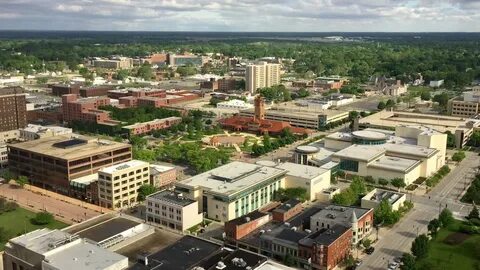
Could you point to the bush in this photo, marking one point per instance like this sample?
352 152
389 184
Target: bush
468 229
42 218
458 156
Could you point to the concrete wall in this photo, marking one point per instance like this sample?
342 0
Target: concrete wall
336 144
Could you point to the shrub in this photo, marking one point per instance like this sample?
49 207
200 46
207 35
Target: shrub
42 218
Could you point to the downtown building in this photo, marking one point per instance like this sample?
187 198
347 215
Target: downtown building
262 75
13 109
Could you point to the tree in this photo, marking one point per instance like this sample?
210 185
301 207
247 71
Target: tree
390 103
291 193
383 181
21 180
288 260
398 183
7 175
366 242
425 95
408 262
446 217
433 227
42 80
474 213
42 218
145 72
458 156
420 247
122 74
352 115
381 105
302 93
145 190
442 99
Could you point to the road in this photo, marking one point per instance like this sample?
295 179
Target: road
397 240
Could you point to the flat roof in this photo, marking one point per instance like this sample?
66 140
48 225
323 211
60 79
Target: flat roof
248 218
394 164
286 206
84 256
42 240
360 152
107 229
87 179
154 121
325 236
302 171
124 166
286 234
409 150
379 195
369 135
340 214
171 197
232 177
240 260
306 149
46 146
156 169
181 255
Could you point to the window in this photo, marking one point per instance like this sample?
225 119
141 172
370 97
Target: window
349 165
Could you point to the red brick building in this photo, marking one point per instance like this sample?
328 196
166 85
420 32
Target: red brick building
157 124
85 109
287 210
65 89
236 229
326 248
162 176
94 91
13 108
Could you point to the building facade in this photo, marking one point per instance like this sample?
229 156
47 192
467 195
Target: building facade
262 75
162 175
171 209
118 184
13 109
467 106
156 124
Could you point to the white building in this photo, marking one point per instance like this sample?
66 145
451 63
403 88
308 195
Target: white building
11 80
436 83
47 249
234 104
171 209
376 196
118 184
261 75
3 156
33 132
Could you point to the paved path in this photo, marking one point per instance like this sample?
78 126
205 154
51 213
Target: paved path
397 240
68 212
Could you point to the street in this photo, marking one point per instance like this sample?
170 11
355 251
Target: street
395 241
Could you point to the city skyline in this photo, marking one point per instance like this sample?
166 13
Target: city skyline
238 16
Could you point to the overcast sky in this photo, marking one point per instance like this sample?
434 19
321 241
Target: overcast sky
243 15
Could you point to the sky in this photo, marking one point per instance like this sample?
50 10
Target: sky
243 15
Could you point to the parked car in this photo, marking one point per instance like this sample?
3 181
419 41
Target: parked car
392 266
370 250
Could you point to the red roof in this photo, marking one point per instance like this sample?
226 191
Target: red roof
252 124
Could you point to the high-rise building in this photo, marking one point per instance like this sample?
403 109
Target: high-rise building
262 75
13 109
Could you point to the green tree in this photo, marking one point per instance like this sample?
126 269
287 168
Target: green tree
145 72
398 183
446 217
420 247
381 105
474 213
383 181
21 180
425 95
390 103
144 191
442 99
42 218
42 80
291 193
458 156
121 74
408 262
302 93
7 175
433 227
366 242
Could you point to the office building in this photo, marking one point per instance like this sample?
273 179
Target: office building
238 188
118 184
376 196
467 106
33 132
113 63
156 124
162 175
53 162
360 220
171 209
408 153
261 75
46 249
13 109
65 89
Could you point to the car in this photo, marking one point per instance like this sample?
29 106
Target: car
392 265
370 250
397 259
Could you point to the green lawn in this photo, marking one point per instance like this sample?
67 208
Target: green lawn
18 221
455 257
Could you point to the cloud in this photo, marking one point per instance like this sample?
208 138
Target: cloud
242 15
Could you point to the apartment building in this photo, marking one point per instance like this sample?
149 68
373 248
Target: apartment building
171 209
262 75
53 162
466 106
118 184
13 108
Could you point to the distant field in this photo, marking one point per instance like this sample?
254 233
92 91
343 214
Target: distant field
452 257
18 222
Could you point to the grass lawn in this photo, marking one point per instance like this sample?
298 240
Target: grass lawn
16 222
456 257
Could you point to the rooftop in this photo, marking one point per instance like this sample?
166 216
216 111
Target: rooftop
107 229
240 260
395 163
301 171
360 152
171 197
182 255
123 166
232 177
60 146
153 122
156 169
285 233
42 240
340 214
379 195
37 128
85 256
287 205
248 217
325 236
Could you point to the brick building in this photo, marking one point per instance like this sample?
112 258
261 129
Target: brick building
85 109
13 109
236 229
162 175
94 91
65 89
287 210
157 124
